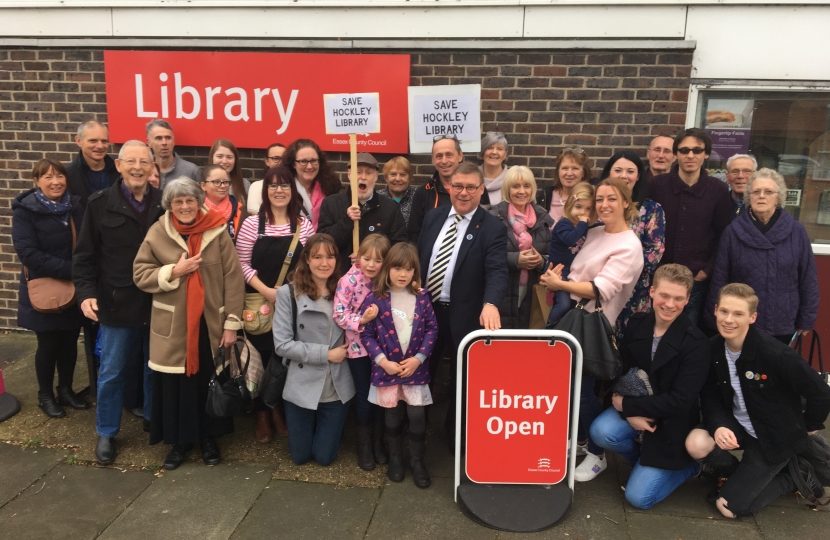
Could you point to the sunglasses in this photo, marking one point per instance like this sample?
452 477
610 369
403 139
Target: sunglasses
440 137
696 150
574 149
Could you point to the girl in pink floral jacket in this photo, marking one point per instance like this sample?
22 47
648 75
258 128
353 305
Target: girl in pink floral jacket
352 290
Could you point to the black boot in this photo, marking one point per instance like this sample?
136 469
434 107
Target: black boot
67 397
417 449
378 427
365 460
46 401
394 440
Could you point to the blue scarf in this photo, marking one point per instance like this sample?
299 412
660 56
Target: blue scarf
60 209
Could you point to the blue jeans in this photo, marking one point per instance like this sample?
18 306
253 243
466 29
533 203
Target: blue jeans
364 410
646 486
315 434
117 345
589 408
561 304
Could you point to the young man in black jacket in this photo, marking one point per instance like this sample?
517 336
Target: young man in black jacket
752 401
375 214
672 357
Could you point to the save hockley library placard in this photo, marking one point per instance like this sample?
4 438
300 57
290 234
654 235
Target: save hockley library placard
252 98
518 397
453 111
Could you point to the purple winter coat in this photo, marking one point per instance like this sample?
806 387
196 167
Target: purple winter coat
379 337
780 266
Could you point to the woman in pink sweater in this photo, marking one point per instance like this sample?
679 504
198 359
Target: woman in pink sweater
611 258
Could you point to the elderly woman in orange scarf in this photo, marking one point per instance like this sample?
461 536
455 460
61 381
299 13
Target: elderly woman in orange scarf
189 263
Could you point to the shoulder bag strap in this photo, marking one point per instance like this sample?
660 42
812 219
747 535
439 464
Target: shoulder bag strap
261 226
74 241
597 301
286 361
288 256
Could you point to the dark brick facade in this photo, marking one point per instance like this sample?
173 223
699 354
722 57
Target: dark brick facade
602 101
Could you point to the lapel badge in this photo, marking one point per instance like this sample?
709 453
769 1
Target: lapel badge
371 228
757 377
763 377
749 375
469 237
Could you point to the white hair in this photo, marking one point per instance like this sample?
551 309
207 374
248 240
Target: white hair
741 156
493 137
771 175
181 187
134 142
88 124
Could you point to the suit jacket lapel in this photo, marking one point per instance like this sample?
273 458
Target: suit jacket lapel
469 237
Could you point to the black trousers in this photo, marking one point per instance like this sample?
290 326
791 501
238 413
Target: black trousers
756 482
445 339
59 349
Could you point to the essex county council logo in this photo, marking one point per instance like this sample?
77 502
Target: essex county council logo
544 463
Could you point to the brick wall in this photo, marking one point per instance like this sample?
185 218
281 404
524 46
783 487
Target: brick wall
602 101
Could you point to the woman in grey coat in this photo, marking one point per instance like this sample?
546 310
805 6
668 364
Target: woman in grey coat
528 233
319 385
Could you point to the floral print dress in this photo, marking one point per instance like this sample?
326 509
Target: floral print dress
650 228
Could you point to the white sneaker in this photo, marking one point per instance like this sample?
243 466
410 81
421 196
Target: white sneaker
581 449
590 467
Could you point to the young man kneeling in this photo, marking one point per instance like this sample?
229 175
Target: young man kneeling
752 401
664 349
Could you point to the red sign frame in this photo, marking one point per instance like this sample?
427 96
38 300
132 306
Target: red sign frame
253 98
523 441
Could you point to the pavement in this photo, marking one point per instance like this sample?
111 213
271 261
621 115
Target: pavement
52 488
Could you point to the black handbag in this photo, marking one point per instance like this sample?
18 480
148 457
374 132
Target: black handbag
273 383
815 347
228 395
600 356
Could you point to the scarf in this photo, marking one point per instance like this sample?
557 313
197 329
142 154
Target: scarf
224 208
493 185
520 224
195 292
60 209
311 205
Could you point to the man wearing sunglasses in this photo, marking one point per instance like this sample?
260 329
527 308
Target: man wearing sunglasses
697 208
446 157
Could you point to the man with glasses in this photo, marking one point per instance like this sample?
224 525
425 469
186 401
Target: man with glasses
273 158
375 214
161 141
115 223
738 170
446 156
463 252
660 156
697 208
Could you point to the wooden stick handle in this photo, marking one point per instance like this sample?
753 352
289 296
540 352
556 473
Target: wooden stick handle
353 183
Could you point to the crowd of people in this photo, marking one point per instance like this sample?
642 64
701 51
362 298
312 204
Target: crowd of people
704 282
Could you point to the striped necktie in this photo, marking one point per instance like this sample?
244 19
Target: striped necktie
439 268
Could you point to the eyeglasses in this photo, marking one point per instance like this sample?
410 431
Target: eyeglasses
131 161
307 162
437 138
183 202
765 192
279 187
458 188
275 159
219 183
736 172
696 150
574 149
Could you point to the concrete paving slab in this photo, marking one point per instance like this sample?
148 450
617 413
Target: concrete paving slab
194 501
15 346
71 502
778 523
405 511
659 527
23 466
301 511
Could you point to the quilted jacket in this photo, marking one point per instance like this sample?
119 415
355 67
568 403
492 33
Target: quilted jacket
780 266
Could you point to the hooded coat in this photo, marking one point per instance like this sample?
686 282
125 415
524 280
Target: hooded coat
779 266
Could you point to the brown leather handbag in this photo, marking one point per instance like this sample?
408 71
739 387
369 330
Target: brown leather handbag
52 295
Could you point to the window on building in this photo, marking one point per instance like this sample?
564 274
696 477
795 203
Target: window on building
788 131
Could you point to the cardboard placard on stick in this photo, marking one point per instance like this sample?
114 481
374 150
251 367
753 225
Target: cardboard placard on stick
352 114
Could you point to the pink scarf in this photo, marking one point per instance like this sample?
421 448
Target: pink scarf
317 197
521 223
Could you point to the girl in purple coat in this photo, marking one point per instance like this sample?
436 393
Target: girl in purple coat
350 315
399 341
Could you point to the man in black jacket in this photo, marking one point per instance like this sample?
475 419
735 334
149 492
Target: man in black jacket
376 214
671 356
752 401
92 169
115 223
446 157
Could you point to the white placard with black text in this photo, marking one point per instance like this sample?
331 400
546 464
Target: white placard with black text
352 113
453 110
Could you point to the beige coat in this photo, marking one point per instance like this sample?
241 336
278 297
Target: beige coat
224 290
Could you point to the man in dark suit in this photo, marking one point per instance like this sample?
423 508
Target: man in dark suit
463 252
671 357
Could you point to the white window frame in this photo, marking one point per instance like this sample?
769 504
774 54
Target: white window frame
691 111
